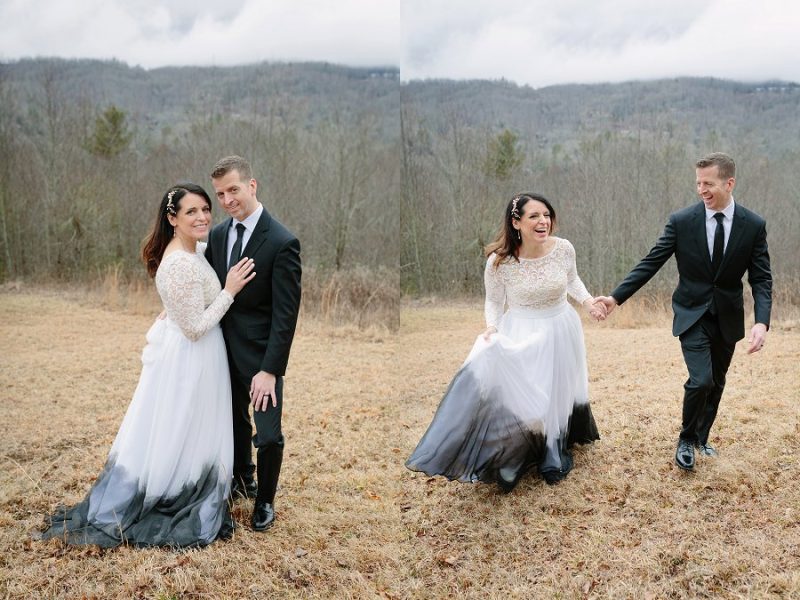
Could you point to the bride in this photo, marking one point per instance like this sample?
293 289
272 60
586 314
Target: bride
167 477
520 400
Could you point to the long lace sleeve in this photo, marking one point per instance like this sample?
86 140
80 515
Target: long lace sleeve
181 291
575 287
495 293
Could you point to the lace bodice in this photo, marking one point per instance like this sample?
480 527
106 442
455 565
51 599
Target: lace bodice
533 282
191 293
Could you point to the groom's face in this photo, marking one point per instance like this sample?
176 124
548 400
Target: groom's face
236 197
714 191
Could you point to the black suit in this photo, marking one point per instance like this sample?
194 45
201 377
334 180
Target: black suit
708 307
258 330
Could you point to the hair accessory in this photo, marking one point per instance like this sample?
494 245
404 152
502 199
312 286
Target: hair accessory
170 205
514 211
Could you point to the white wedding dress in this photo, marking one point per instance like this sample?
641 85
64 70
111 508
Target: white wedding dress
167 477
520 399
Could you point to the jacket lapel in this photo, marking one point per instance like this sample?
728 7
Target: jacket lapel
221 251
737 229
259 235
699 231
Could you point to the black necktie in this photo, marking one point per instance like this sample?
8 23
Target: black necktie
236 251
719 243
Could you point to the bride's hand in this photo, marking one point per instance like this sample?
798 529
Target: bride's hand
239 276
596 309
489 331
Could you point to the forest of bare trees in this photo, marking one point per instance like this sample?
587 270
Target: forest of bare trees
82 178
614 172
392 188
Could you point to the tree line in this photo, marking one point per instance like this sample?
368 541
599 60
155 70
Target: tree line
613 179
81 179
392 188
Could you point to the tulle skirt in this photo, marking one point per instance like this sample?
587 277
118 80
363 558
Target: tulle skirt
167 477
519 401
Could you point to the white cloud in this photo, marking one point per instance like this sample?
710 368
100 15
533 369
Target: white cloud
538 42
154 33
541 43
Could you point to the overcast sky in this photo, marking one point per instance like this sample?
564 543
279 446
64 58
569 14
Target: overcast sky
155 33
544 42
535 42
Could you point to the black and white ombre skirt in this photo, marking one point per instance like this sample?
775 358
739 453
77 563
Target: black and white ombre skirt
519 401
167 478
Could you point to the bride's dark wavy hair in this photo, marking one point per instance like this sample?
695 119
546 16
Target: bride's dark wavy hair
162 232
507 243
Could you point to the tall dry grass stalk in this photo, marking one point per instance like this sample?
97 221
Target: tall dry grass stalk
360 296
136 295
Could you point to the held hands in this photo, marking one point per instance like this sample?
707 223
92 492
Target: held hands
262 388
239 276
596 308
758 335
608 301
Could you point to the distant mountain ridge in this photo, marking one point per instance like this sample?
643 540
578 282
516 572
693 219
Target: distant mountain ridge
564 113
545 117
162 96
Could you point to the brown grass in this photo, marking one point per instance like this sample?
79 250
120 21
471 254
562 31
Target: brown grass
359 296
354 523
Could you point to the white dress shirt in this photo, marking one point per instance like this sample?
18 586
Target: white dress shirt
249 226
711 226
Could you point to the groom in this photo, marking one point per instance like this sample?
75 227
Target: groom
714 242
258 328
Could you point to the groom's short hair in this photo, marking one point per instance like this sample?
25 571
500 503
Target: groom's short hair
724 163
232 163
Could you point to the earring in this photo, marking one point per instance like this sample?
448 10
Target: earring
519 235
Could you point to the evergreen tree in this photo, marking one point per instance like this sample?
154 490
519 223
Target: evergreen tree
111 135
503 155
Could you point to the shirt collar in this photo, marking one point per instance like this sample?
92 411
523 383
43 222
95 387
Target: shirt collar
250 222
727 211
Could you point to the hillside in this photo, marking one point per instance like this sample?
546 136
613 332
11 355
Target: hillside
563 114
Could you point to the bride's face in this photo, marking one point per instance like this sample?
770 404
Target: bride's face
535 223
193 218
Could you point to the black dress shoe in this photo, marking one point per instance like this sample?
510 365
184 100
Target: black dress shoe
263 516
707 450
243 489
227 528
684 455
507 479
552 477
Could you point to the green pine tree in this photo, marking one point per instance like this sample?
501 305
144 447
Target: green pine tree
111 135
503 156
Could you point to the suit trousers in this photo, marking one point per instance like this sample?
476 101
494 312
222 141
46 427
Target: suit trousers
707 356
268 438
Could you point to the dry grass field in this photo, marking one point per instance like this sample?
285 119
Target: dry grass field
354 523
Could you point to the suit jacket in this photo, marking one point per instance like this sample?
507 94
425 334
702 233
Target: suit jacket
685 237
259 326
